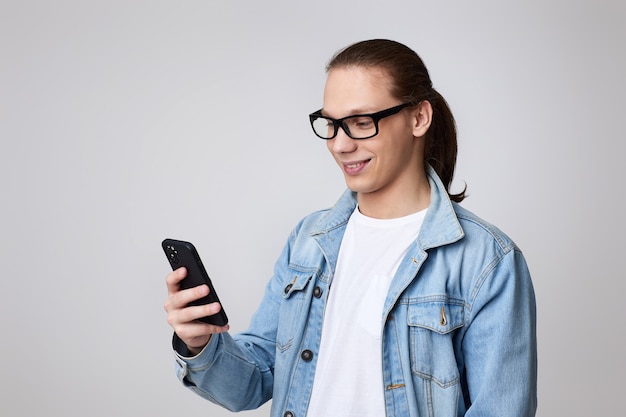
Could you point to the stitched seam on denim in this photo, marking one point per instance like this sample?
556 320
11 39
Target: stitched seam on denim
303 269
504 243
399 356
487 272
283 347
429 397
435 299
429 377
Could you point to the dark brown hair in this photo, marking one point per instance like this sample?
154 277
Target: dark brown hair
410 83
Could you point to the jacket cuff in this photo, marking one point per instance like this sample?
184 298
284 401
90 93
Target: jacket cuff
185 360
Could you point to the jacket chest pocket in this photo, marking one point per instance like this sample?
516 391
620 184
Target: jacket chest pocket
432 326
293 310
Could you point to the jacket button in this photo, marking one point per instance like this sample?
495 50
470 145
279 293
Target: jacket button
306 355
288 287
317 292
289 414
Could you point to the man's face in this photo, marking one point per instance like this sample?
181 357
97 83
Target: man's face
387 162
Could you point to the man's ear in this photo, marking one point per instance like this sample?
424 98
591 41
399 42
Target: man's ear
422 117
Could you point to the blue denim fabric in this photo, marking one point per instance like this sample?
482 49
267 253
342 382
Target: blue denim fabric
459 335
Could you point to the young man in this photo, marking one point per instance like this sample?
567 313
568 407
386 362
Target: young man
396 301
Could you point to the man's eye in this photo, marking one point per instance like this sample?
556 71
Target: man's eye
362 123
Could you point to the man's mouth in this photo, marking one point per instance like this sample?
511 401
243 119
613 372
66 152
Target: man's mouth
355 167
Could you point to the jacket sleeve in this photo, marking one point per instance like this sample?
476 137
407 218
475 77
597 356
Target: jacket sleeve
237 372
500 347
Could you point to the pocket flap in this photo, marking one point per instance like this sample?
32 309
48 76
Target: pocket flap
439 316
298 284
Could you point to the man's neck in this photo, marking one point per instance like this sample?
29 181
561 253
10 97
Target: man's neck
394 203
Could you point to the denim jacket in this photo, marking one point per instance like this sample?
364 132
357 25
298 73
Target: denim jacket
458 325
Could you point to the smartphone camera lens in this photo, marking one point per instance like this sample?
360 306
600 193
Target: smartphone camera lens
173 255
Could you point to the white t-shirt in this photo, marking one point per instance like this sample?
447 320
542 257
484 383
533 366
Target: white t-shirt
348 378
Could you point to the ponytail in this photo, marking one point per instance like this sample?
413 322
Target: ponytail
441 145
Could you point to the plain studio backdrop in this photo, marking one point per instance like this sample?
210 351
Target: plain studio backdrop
125 122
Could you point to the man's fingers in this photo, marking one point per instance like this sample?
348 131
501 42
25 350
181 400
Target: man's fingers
173 279
193 313
180 299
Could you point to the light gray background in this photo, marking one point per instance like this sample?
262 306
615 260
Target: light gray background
125 122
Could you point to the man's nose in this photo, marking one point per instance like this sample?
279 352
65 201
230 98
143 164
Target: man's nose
342 143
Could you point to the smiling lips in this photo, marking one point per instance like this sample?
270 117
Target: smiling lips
353 168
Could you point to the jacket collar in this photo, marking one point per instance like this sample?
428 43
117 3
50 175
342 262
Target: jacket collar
440 226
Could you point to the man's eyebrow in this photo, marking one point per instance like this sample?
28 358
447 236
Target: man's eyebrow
353 112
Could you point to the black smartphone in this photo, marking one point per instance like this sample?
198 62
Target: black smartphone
180 253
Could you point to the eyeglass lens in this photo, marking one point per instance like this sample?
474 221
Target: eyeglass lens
357 127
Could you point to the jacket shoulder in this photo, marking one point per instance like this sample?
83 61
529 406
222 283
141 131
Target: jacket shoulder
475 227
308 224
328 219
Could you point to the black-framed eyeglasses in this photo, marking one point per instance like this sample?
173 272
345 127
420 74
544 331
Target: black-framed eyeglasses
358 126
